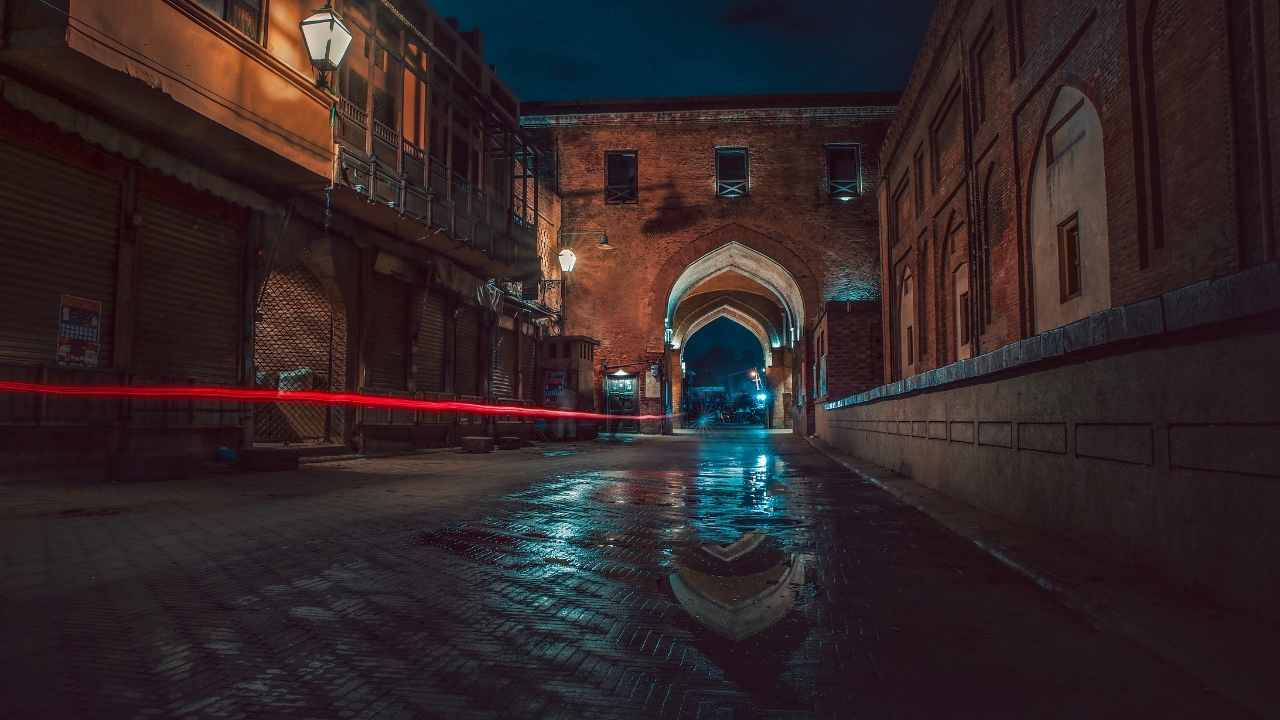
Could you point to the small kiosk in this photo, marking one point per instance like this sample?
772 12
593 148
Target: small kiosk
568 383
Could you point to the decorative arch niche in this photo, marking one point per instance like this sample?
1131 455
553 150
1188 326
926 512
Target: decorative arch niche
1067 219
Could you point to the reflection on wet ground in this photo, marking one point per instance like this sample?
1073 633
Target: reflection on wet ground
554 601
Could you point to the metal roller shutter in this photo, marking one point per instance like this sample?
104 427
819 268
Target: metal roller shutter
189 295
528 362
59 234
390 299
504 364
429 353
466 353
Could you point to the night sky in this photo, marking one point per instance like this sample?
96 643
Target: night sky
720 348
578 49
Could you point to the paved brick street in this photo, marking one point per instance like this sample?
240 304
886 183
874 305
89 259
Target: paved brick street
530 584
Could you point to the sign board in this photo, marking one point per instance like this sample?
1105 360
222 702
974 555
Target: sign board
79 330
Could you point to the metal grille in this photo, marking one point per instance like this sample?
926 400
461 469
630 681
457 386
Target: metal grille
300 343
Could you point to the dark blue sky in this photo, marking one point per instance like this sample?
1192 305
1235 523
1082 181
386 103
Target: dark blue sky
720 348
577 49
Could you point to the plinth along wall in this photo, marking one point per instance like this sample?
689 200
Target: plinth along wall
1081 291
177 207
755 209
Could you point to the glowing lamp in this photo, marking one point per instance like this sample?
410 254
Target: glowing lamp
762 397
327 39
567 260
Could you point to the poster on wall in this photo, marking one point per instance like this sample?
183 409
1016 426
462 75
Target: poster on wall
652 388
553 387
79 327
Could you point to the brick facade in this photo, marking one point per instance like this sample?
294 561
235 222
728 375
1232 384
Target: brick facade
848 348
1186 114
789 215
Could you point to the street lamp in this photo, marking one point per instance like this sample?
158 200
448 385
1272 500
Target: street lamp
327 39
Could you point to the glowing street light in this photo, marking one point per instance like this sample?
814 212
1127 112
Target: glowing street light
567 260
327 39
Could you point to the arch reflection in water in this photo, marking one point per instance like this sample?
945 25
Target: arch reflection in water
741 589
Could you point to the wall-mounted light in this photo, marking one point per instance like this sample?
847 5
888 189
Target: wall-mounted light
327 39
567 260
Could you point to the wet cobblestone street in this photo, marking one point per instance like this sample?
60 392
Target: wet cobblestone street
359 590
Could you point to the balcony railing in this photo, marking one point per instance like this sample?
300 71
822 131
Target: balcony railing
503 227
348 110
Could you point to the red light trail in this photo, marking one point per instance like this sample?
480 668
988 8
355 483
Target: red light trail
317 397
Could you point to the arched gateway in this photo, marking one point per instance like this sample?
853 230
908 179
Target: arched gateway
741 284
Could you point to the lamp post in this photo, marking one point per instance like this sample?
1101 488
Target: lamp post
327 38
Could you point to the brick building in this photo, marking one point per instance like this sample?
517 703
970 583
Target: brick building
182 204
1078 255
756 209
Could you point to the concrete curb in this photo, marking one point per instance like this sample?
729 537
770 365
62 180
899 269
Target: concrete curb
1230 653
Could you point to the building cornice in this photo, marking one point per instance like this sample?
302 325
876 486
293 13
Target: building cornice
789 115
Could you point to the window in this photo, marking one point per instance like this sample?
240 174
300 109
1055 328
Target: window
1069 258
244 15
351 83
844 171
732 178
620 180
964 310
911 345
384 108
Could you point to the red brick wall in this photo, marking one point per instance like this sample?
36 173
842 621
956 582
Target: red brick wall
620 297
1189 112
852 346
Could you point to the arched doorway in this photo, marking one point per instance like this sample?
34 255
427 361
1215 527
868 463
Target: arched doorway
300 343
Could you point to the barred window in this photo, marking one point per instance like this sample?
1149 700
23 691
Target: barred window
621 178
244 15
732 172
844 171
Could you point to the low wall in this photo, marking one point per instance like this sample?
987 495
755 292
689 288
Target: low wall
1163 449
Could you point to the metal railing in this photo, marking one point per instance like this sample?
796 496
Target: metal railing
845 188
620 193
423 190
731 188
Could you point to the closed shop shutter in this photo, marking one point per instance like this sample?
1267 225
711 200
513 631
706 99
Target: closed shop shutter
528 362
59 233
188 324
466 353
429 354
390 300
504 364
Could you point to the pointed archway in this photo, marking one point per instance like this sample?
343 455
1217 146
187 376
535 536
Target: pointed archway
734 257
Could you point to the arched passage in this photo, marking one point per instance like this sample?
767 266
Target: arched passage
748 322
734 257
